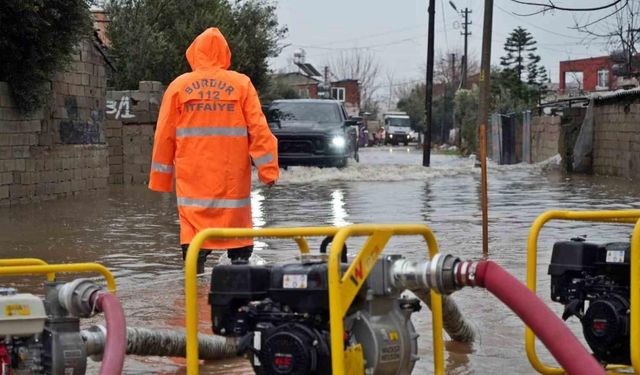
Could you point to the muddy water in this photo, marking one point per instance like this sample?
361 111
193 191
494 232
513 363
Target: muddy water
134 233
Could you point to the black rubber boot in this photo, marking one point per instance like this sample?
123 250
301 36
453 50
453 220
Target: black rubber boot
240 255
202 257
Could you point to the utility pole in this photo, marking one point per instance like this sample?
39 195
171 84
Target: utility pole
466 34
483 115
452 92
428 102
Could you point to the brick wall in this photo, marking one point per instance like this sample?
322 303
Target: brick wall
545 137
130 126
616 143
616 136
58 150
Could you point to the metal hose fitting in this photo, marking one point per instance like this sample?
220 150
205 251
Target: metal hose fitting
437 273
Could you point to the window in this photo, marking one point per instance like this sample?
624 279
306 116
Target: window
337 93
303 92
603 79
573 81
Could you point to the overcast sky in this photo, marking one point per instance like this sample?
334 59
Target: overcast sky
396 32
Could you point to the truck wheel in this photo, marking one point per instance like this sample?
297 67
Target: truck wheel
341 163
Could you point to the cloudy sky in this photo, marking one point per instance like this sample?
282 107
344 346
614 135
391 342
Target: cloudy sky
396 32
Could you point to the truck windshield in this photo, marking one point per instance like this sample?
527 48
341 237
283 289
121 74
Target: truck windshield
312 112
395 121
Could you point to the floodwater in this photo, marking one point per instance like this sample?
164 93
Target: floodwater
134 232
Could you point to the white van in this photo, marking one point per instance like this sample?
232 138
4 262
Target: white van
397 128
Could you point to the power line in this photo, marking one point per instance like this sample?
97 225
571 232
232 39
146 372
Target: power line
368 36
444 25
536 26
553 6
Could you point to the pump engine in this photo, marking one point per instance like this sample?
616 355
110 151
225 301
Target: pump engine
281 315
42 336
592 281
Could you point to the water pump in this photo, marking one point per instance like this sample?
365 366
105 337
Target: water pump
593 282
43 336
281 315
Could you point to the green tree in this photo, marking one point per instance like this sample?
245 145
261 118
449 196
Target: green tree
522 80
465 106
521 47
277 89
149 37
411 101
37 37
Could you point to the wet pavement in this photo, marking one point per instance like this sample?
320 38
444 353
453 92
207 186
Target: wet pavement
134 232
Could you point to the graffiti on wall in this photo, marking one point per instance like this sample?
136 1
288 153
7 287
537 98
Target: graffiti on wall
120 108
77 128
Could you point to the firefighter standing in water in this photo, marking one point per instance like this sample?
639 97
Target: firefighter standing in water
210 130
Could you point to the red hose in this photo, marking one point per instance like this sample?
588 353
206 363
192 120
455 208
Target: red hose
116 342
555 335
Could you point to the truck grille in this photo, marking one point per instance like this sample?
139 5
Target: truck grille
300 145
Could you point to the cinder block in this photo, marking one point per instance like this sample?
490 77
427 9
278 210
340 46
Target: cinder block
116 169
145 86
6 100
6 178
20 152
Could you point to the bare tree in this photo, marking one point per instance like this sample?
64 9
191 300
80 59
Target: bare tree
620 29
446 72
391 87
361 65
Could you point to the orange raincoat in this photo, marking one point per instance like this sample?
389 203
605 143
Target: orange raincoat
210 128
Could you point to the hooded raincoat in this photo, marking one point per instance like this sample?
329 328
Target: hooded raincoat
210 129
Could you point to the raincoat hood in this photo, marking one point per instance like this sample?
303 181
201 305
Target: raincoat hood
209 50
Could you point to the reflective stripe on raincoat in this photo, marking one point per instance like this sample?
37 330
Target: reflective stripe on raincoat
210 129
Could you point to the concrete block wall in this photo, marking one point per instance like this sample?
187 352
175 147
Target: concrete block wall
131 119
58 150
77 105
545 137
616 149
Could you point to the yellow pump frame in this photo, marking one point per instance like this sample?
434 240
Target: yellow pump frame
28 266
619 216
342 288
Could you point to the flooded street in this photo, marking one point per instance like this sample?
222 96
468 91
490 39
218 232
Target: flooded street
134 232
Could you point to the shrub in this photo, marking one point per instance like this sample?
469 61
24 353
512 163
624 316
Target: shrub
37 38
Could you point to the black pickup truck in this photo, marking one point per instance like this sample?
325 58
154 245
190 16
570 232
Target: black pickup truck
312 132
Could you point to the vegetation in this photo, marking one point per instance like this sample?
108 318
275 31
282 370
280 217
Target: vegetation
37 37
515 87
277 89
412 102
149 37
466 111
512 89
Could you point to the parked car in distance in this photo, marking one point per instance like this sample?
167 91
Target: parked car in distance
312 132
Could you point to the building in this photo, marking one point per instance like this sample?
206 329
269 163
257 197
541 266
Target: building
309 83
587 75
303 85
348 92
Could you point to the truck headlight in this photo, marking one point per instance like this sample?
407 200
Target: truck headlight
390 135
338 141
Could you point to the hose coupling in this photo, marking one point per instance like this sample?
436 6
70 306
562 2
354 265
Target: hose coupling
437 273
77 297
465 273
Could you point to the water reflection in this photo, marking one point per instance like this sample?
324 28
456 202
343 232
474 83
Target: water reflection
337 209
257 211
